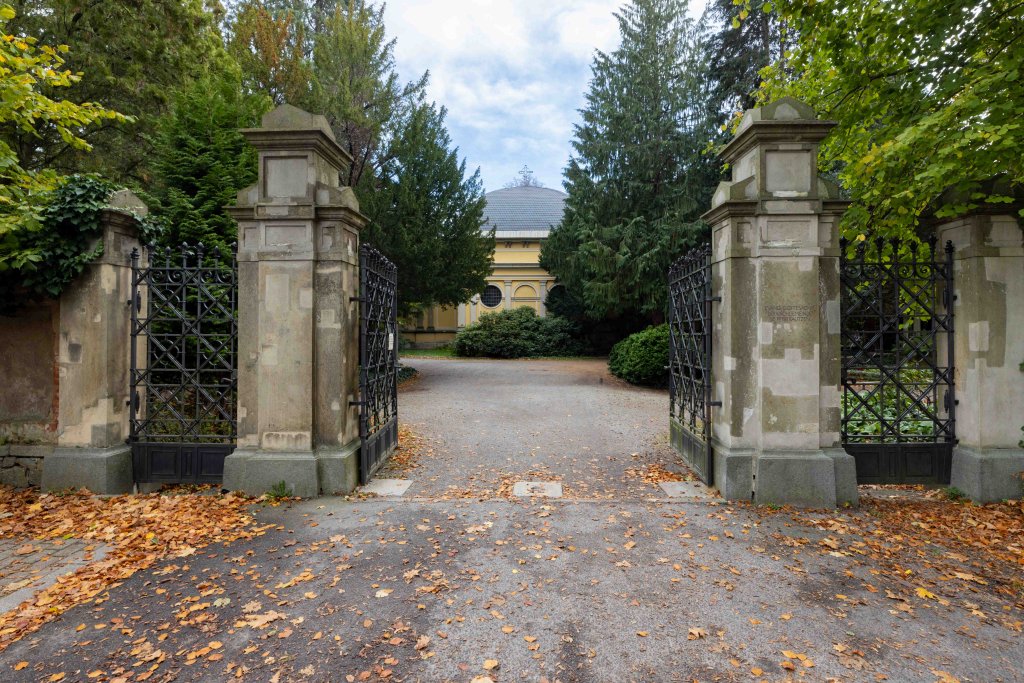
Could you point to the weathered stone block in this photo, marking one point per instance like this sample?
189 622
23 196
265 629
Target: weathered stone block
22 464
106 471
801 478
990 474
846 476
258 472
338 470
733 473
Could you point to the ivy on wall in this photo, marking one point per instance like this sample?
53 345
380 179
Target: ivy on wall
58 250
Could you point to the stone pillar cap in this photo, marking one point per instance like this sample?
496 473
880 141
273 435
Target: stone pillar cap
289 128
784 120
126 200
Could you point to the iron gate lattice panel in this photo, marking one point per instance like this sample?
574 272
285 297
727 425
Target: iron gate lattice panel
183 383
378 360
690 359
899 407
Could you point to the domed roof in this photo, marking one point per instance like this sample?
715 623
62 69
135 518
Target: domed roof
523 212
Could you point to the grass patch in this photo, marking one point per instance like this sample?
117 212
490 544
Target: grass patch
439 352
953 493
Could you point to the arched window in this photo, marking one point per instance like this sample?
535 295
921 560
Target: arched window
525 295
491 296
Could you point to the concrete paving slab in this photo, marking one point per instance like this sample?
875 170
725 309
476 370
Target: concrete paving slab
387 487
545 489
686 490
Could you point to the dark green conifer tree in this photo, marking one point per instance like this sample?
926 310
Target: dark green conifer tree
640 176
426 216
201 160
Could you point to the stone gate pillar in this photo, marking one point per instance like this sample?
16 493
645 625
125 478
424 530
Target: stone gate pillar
988 348
776 336
298 343
93 352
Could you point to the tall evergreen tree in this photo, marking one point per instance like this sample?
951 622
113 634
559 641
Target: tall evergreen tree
639 177
426 216
332 57
202 160
357 87
750 37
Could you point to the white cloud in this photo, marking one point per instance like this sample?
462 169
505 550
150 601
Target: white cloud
512 74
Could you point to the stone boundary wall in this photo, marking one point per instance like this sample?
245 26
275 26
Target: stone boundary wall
28 366
64 370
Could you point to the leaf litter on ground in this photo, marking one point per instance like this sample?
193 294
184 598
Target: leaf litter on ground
137 530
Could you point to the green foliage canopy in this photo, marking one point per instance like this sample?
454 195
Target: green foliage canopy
638 179
135 54
40 241
202 160
62 245
925 101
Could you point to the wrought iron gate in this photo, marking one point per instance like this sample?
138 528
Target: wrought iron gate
690 360
183 378
899 408
378 360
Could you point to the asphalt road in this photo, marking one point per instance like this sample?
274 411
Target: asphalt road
613 583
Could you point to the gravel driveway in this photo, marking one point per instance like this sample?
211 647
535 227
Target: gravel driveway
569 421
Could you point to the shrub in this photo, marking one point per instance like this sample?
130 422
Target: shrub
518 333
641 358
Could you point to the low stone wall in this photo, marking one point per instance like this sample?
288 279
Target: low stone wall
22 465
64 373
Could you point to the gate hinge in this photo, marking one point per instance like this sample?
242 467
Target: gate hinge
714 299
715 404
355 298
356 403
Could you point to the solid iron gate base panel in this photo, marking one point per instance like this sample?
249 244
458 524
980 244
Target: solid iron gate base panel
697 453
179 463
376 450
902 463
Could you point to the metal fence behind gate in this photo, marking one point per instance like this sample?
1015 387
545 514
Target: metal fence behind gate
690 359
899 408
183 377
378 360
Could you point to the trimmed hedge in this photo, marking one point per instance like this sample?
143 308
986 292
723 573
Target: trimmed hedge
518 333
641 358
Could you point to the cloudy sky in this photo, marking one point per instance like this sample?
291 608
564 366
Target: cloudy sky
512 73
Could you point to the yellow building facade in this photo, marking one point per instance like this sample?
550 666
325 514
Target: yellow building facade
521 218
